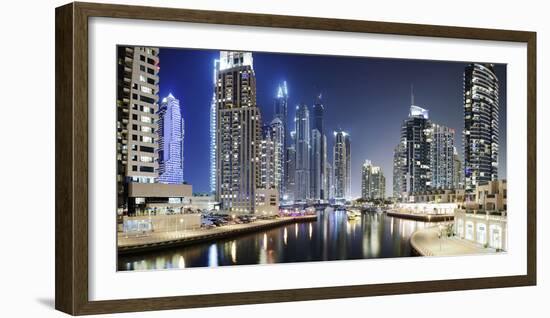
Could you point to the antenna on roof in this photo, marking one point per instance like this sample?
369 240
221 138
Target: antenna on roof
412 94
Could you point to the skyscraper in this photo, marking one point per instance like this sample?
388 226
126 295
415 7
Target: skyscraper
281 113
399 181
290 164
442 157
238 133
276 128
213 113
481 124
171 127
416 138
315 164
373 182
268 160
330 181
342 166
318 151
137 98
303 147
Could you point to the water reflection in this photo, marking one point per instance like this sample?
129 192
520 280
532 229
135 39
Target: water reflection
332 237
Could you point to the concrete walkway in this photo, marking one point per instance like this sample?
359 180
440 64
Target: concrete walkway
158 239
427 243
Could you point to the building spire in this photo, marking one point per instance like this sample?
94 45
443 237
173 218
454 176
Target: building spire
412 94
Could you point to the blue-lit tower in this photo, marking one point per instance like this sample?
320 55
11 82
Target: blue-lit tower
171 136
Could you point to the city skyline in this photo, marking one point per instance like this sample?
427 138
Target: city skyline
366 97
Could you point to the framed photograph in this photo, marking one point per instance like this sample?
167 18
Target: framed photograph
219 158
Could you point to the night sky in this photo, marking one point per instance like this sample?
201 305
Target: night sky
367 97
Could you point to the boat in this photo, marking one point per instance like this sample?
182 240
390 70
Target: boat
353 215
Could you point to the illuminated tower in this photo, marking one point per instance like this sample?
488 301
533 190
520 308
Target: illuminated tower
281 114
238 133
171 136
373 182
416 139
302 179
442 157
213 113
137 106
318 151
481 124
342 166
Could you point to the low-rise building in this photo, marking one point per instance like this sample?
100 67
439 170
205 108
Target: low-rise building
202 202
158 198
484 219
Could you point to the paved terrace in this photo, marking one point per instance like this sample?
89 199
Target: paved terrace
426 243
153 241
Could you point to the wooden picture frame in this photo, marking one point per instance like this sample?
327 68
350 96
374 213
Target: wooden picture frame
71 111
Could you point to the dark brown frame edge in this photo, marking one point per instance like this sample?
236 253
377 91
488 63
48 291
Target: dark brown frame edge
71 157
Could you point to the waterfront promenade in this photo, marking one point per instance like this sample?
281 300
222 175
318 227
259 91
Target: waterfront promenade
422 217
426 242
154 241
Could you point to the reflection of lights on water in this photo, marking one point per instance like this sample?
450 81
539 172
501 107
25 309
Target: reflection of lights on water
296 230
212 256
391 227
181 262
310 231
234 251
285 234
265 241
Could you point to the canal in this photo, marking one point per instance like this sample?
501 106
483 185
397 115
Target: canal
331 237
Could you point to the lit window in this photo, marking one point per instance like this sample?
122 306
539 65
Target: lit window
146 119
147 139
146 89
146 159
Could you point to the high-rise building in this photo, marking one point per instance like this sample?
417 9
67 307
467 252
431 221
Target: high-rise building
268 160
277 135
325 180
458 175
342 166
281 113
481 125
290 164
137 106
442 157
399 181
303 147
318 151
171 127
330 181
373 182
316 165
213 113
238 133
416 138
